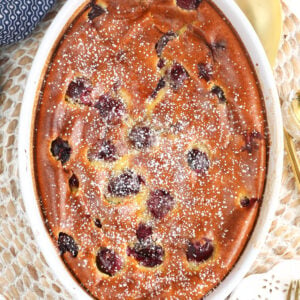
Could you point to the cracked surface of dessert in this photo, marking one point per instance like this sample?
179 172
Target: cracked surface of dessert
150 148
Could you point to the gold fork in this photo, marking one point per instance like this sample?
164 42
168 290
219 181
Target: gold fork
266 18
294 290
291 114
292 155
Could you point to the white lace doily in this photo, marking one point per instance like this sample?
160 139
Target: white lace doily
273 285
294 6
24 273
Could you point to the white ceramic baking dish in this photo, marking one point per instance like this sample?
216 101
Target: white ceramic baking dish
273 182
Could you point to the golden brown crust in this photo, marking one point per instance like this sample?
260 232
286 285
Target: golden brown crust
116 52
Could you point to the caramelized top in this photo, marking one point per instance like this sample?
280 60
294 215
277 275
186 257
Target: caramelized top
150 148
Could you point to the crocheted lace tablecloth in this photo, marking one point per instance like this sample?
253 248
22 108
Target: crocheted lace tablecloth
24 273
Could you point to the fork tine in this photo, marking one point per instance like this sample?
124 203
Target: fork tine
297 290
289 294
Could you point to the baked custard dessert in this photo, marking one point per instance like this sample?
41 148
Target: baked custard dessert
150 148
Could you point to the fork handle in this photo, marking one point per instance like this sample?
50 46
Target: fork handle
292 155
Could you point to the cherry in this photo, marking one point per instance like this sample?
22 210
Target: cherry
250 141
73 183
163 41
161 84
220 45
98 223
216 90
256 135
110 109
61 150
79 90
141 137
205 71
128 183
105 150
160 203
95 12
148 255
143 232
161 63
217 48
121 56
245 202
200 251
108 261
188 4
67 244
177 76
198 161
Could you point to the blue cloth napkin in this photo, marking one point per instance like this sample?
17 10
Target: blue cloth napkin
19 17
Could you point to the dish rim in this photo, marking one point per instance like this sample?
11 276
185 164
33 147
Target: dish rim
263 70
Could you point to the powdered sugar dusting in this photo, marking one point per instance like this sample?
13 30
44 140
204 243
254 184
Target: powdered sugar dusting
155 118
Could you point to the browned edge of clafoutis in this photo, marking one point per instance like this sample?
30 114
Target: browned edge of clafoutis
37 104
266 129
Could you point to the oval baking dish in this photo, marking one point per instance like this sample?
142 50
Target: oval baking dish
26 141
